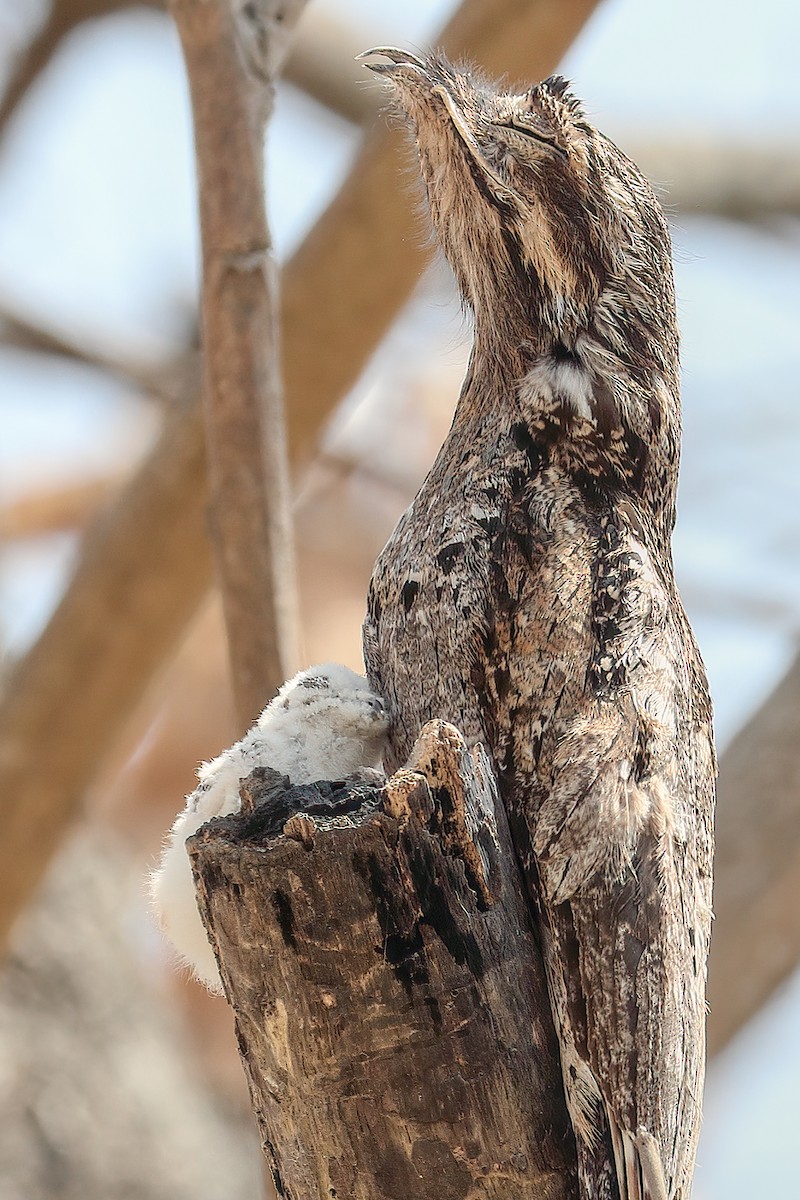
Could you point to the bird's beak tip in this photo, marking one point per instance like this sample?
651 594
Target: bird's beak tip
397 59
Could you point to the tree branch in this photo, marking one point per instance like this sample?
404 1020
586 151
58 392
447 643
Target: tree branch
161 383
58 507
756 939
118 620
64 16
230 61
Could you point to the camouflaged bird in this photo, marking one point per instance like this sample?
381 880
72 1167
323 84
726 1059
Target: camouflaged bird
528 596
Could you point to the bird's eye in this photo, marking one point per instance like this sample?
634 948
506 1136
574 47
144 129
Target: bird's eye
534 135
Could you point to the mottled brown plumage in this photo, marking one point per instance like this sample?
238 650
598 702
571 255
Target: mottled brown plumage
527 595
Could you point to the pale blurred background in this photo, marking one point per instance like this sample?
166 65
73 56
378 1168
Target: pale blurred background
118 1077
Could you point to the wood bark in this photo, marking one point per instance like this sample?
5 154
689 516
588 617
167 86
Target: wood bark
390 1003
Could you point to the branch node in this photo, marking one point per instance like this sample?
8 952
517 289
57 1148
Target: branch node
302 828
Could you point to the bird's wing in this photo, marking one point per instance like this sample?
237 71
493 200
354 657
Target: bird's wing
622 842
217 792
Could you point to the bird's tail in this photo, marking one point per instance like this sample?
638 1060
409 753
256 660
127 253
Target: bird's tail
640 1173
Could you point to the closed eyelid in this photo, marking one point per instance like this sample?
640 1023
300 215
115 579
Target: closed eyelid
534 135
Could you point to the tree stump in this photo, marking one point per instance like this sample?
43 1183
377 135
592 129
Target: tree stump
390 1008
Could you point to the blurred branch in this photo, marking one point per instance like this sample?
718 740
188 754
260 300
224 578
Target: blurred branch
64 16
146 567
135 588
321 63
162 382
68 506
756 942
231 65
728 177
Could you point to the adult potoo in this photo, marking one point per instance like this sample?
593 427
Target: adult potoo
527 595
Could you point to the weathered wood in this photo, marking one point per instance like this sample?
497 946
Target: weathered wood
390 1006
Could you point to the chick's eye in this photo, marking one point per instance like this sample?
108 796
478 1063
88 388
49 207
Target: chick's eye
315 681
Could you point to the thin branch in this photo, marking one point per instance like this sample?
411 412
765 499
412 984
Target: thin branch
744 178
63 18
229 61
162 382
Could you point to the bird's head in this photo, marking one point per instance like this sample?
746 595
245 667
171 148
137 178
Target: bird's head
559 246
331 706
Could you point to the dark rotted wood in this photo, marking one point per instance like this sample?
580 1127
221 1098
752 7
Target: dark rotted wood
389 1001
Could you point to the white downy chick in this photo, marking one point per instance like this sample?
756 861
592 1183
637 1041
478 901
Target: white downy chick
325 723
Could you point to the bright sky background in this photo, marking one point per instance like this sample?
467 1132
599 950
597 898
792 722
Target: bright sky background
98 237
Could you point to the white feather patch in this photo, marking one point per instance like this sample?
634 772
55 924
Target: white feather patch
325 723
567 381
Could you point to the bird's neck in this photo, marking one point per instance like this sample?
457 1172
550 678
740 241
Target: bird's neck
506 390
491 384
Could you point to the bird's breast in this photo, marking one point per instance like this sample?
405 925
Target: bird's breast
479 609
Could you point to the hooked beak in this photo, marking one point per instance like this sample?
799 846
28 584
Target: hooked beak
405 68
398 61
